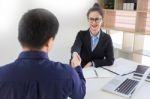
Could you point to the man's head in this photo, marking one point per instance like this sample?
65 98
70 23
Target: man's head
37 28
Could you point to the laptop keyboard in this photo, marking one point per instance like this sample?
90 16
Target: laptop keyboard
127 86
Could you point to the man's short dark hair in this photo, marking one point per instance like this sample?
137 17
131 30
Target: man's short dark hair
36 27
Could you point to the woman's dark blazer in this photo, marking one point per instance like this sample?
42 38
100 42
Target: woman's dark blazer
102 55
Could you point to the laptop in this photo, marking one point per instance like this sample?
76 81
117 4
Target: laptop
124 86
140 70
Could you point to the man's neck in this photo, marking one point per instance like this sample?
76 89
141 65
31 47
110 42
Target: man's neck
32 49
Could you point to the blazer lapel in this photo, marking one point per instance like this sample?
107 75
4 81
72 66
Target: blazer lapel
88 41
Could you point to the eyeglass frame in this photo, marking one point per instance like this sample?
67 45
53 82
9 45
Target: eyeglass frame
97 20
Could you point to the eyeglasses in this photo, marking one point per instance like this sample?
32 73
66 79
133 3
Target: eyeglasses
97 20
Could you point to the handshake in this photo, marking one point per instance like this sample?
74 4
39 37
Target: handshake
76 60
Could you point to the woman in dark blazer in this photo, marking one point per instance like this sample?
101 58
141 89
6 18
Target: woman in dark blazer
93 45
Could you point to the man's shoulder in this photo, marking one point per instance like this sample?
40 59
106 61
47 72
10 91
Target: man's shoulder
61 70
61 67
47 63
6 69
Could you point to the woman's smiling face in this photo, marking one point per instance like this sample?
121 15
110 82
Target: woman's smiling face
95 22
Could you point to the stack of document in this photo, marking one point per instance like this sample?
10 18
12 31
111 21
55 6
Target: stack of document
121 67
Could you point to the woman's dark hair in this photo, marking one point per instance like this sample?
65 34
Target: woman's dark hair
36 27
96 7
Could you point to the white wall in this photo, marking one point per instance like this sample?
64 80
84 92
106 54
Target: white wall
71 15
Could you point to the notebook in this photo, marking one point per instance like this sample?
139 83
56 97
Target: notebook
90 72
122 66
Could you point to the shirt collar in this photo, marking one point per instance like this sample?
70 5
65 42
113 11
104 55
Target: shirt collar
33 55
98 35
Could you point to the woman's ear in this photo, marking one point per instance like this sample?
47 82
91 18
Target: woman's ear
102 21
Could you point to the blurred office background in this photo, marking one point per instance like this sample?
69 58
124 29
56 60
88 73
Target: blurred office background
72 18
70 13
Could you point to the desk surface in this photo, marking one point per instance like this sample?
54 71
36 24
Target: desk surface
94 89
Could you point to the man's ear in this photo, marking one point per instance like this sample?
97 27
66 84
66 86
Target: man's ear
50 43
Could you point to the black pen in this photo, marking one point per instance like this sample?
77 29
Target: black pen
95 72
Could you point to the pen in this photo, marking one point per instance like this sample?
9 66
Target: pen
95 72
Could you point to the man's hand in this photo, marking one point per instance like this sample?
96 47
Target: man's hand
76 60
89 64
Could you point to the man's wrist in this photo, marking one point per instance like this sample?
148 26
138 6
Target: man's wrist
76 66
